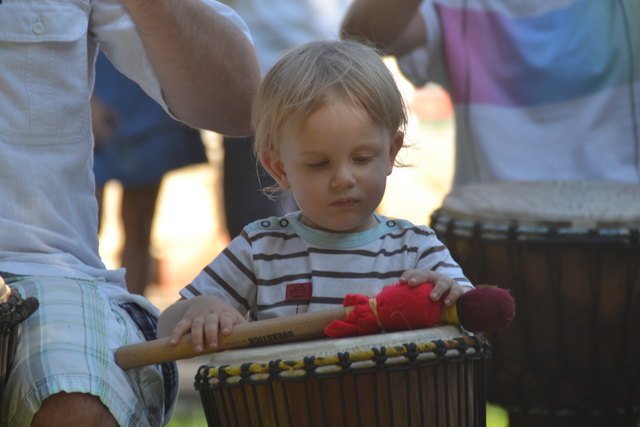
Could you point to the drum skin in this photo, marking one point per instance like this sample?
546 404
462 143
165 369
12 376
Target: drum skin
428 377
574 271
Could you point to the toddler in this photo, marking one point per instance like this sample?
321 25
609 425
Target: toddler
329 123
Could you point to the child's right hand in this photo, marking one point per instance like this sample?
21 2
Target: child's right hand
205 317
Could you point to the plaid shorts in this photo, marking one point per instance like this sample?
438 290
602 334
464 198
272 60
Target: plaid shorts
68 345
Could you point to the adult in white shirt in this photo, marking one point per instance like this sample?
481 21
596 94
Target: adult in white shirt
196 59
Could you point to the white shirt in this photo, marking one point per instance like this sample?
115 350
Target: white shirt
279 25
48 210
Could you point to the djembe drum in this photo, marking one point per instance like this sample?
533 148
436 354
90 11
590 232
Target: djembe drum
570 254
13 310
427 377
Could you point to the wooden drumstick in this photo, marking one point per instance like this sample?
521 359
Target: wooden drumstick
270 331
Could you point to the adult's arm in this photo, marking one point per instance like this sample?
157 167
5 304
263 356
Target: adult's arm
206 65
393 26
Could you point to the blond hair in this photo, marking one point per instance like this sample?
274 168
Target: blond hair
305 78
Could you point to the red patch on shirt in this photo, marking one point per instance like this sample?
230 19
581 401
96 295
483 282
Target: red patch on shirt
299 291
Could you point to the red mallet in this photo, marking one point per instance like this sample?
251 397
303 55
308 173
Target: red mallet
403 307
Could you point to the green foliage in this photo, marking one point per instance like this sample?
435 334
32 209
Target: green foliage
189 413
496 416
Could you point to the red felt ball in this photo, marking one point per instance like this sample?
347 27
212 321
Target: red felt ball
486 309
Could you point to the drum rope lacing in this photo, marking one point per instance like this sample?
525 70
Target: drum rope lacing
399 356
478 229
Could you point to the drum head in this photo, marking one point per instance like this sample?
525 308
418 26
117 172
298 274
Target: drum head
328 347
578 204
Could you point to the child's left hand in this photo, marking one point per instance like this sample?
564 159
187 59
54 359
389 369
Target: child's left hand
443 285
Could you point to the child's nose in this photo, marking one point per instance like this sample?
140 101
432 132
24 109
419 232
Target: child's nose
343 177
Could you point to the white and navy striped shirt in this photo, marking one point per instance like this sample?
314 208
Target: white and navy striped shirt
279 266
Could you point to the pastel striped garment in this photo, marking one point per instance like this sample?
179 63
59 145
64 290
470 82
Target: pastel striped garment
542 90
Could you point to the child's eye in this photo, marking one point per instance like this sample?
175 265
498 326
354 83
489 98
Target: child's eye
362 159
316 165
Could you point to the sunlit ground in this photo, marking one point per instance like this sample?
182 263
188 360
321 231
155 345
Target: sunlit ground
189 232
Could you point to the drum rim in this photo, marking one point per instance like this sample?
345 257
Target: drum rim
465 225
450 346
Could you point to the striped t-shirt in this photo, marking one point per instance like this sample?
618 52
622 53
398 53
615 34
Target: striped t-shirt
279 266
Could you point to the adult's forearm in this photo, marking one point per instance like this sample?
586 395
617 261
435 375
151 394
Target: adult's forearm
206 66
381 22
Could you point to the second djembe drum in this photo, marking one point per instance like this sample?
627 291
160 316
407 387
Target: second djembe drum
570 254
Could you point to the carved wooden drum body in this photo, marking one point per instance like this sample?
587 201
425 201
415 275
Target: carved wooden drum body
427 377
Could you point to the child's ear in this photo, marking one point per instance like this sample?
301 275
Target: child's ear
271 162
397 142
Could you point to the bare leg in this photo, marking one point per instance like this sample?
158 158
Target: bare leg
138 209
73 409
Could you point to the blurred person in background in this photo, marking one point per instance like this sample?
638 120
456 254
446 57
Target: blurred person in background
541 90
276 27
137 143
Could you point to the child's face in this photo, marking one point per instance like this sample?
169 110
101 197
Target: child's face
336 166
